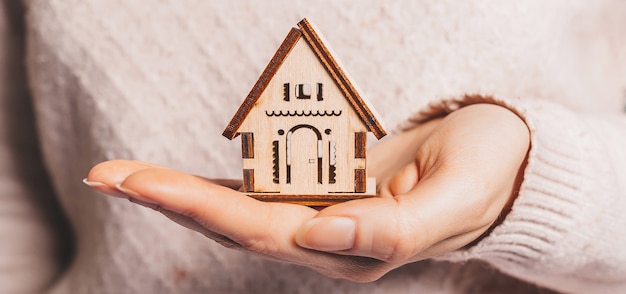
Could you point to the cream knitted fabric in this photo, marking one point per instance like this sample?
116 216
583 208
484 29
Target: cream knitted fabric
159 81
31 224
564 230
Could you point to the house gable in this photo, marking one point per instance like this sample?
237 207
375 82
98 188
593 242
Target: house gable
332 67
301 90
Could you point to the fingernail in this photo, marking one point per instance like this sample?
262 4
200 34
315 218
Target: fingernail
93 184
327 234
134 194
104 188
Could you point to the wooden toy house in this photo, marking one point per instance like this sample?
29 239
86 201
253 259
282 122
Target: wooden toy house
303 127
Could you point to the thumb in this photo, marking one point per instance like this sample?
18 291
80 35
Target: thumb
350 228
404 228
369 227
380 228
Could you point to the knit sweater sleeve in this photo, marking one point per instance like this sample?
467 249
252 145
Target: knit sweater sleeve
33 235
566 228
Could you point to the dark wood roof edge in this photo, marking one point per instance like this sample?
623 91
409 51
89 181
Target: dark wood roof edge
268 73
340 77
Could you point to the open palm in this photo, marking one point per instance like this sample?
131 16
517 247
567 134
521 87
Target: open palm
442 185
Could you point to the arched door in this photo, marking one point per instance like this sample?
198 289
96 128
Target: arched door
304 156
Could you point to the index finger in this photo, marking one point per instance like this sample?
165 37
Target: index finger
266 228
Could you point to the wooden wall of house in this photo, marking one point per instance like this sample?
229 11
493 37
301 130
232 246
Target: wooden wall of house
279 111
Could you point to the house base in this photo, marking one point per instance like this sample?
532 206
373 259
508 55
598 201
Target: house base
316 200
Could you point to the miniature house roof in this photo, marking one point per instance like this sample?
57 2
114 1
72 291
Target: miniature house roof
314 40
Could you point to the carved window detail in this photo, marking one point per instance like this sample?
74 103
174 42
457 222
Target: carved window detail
303 91
247 145
319 160
248 180
359 144
275 162
286 91
320 95
359 180
332 163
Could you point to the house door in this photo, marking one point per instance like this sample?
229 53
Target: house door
304 156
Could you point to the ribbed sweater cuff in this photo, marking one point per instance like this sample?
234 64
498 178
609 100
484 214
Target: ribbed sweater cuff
546 215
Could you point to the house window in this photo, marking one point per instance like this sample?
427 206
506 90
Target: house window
332 163
359 180
286 91
359 144
247 145
320 94
303 91
275 162
248 180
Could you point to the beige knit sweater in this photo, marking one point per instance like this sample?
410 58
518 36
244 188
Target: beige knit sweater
158 82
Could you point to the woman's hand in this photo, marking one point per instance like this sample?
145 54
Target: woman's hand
444 184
